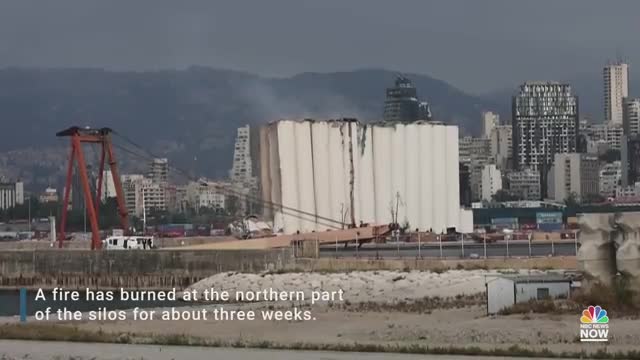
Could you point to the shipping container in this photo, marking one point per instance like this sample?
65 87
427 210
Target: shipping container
549 220
550 227
505 223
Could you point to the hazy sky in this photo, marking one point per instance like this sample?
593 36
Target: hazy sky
478 45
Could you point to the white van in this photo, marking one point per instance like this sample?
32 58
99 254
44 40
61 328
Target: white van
128 243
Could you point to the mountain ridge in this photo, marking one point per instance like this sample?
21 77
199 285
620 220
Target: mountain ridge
193 113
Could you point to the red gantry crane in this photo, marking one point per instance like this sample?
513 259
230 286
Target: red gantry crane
101 137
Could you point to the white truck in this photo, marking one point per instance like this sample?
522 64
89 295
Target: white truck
128 243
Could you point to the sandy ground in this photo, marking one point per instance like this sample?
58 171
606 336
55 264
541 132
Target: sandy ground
359 286
460 327
468 326
40 350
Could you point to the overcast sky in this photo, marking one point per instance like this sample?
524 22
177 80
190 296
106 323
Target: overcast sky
477 45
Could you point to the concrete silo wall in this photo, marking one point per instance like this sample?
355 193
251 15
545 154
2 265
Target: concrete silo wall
335 170
610 243
628 247
596 255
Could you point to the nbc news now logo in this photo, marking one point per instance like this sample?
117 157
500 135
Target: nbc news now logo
594 324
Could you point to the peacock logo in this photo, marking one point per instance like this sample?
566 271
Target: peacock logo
594 315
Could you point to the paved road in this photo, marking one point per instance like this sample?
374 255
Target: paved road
43 350
451 250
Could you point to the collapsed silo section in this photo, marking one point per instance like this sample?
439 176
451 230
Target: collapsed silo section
596 256
628 247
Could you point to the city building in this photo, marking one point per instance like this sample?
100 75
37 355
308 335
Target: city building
545 123
11 194
108 187
502 146
129 182
616 87
475 178
176 196
207 194
630 192
424 111
613 135
490 121
241 169
150 196
470 148
354 171
609 133
630 159
211 198
574 174
631 118
50 195
159 170
610 178
524 184
491 181
244 183
465 185
402 104
474 154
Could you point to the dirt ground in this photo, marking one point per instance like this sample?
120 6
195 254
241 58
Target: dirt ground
460 327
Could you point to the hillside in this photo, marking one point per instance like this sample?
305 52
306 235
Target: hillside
188 114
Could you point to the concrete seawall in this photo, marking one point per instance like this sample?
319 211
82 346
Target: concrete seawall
156 269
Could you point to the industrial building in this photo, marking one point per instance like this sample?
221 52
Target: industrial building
322 174
507 290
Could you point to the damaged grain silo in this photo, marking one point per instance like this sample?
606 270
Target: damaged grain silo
345 171
596 256
628 247
610 245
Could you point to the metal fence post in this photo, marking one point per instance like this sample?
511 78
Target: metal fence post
507 238
485 245
440 240
419 255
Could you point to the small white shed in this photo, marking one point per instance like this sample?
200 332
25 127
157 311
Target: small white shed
504 291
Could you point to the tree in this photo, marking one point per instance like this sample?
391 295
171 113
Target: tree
572 200
504 195
593 199
610 156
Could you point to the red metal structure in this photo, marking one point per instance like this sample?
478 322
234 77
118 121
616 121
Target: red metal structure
91 136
